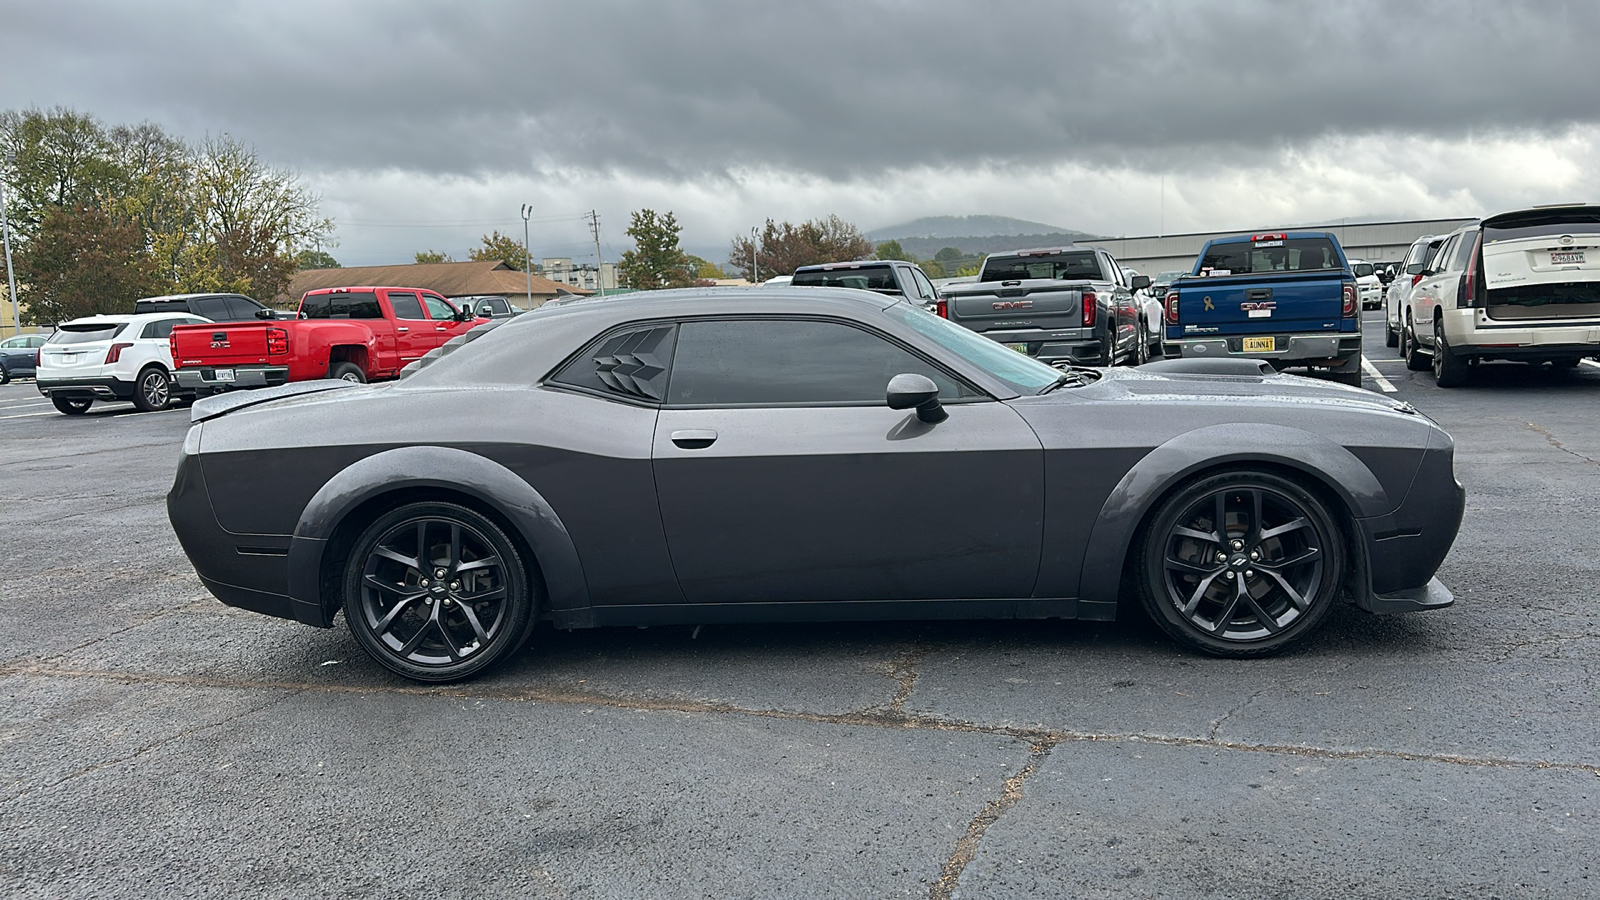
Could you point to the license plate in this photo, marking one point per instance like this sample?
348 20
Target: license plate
1566 258
1020 348
225 375
1260 345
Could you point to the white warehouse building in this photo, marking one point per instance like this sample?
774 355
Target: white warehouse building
1376 242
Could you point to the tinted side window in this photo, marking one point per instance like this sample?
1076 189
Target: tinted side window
406 305
439 309
1464 247
631 363
866 278
160 329
213 308
924 286
776 362
341 306
1441 257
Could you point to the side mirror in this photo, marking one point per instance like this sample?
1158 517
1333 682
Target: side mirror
265 313
1140 282
909 390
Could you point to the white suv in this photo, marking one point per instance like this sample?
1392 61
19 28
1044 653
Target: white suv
110 358
1405 279
1522 285
1368 285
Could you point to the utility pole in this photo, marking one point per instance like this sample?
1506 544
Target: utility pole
1161 230
11 277
755 238
527 255
599 265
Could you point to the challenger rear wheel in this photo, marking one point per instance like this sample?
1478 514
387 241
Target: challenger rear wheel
437 592
1241 564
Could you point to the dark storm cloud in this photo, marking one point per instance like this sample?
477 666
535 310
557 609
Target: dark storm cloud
833 88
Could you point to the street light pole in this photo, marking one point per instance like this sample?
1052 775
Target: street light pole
755 272
11 277
527 255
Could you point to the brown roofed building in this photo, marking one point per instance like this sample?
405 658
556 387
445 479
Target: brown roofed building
452 279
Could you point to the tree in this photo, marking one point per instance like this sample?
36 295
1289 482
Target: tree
423 257
892 250
656 260
315 259
703 269
499 247
81 262
784 248
932 268
949 255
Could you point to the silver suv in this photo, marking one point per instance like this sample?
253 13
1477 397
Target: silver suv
1521 285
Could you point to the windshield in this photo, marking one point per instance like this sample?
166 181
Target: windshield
1024 373
866 278
1076 265
1170 277
1270 254
1363 269
85 332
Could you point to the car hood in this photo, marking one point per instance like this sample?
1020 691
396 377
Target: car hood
1278 388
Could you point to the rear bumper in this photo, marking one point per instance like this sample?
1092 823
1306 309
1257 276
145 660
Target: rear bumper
100 388
1079 346
1295 349
215 378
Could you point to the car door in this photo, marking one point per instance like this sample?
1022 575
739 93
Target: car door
414 333
783 476
1425 298
213 308
445 325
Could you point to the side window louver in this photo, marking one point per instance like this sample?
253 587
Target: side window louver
635 362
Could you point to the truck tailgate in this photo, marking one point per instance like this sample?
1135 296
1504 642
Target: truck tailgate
1007 305
221 344
1253 304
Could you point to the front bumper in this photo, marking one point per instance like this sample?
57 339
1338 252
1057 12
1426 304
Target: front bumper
1296 349
222 378
98 388
1405 548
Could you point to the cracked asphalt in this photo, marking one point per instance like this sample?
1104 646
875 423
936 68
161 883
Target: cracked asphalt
153 741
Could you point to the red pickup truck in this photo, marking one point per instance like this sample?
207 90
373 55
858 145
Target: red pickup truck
354 333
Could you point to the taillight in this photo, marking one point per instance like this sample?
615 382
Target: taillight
1091 305
172 347
115 353
942 307
1172 308
277 341
1349 299
1469 282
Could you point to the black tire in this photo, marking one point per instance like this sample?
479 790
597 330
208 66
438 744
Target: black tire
1391 338
72 406
1449 368
347 371
152 390
1416 360
1288 588
1558 364
427 627
5 377
1349 373
1141 350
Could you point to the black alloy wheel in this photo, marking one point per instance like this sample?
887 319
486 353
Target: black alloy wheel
1241 564
72 406
153 391
437 592
5 377
1449 368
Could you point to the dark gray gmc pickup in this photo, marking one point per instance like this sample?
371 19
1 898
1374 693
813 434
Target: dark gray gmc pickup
1072 305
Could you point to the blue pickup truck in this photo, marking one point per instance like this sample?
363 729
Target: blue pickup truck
1288 298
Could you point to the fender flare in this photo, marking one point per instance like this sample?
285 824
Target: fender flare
448 468
1111 539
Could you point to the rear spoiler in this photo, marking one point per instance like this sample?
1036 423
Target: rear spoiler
222 404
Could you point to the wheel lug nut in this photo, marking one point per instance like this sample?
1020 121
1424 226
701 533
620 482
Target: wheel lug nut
1238 545
438 573
1254 555
1230 576
1249 573
423 582
447 601
455 585
1222 557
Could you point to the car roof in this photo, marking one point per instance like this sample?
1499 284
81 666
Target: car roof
373 287
771 299
178 298
851 264
1035 250
123 319
1286 235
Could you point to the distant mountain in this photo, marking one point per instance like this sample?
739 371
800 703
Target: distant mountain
927 248
963 226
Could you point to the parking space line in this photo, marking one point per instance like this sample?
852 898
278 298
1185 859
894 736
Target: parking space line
1590 363
1372 370
27 415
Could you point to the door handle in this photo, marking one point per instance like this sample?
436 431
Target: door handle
440 328
402 329
694 438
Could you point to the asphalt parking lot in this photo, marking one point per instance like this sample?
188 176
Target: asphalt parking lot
155 741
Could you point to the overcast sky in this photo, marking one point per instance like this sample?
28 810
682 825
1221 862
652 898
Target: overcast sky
424 125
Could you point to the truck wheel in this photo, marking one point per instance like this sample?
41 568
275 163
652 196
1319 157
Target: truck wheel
1416 361
153 390
1349 373
1391 338
5 377
1449 369
348 371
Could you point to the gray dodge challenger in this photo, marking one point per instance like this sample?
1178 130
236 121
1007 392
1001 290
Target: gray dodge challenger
803 454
